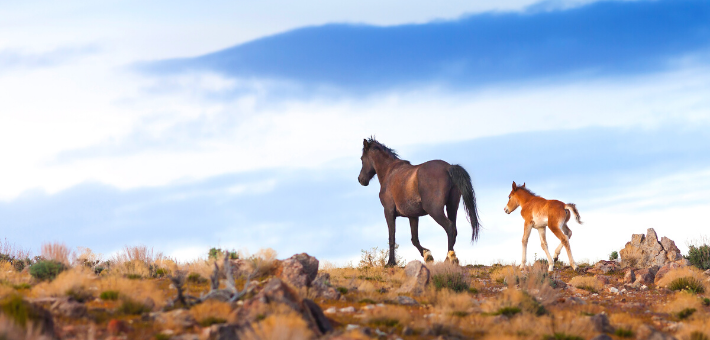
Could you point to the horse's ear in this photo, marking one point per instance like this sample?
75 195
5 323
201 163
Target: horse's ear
523 184
365 144
514 186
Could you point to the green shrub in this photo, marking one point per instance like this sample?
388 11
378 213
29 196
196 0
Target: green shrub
45 270
531 305
689 283
233 255
211 320
451 280
22 286
508 311
79 295
213 253
161 272
195 278
131 307
342 290
473 290
699 256
624 332
686 313
109 295
706 302
613 256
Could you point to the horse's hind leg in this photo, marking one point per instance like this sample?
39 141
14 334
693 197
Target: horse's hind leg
452 208
440 218
558 231
426 253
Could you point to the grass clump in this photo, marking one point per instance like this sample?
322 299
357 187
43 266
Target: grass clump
449 276
706 302
688 283
624 332
46 270
508 311
109 295
686 313
196 278
587 283
79 294
342 290
211 320
384 322
368 301
130 307
22 286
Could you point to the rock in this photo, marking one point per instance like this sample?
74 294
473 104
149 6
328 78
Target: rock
630 276
407 331
68 308
646 251
350 309
604 267
179 318
601 323
646 332
275 295
417 279
603 279
299 270
322 288
321 321
406 301
614 290
646 276
665 269
149 303
602 337
576 300
221 332
116 327
558 284
331 310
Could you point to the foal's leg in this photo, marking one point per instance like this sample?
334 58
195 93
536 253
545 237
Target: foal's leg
526 235
543 244
565 241
566 230
426 253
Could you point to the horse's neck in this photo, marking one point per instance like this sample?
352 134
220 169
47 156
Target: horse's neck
525 197
383 166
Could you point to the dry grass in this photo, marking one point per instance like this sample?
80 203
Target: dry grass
57 252
587 283
78 280
506 275
84 256
211 309
511 299
136 290
452 303
388 316
681 301
10 330
288 326
684 272
13 250
10 275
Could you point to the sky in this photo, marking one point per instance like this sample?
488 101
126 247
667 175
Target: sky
183 126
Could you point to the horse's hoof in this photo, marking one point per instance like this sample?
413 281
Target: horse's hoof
427 256
451 257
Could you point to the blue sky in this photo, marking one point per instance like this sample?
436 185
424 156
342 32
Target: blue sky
184 126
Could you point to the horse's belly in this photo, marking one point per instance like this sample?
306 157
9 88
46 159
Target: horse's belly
540 220
410 209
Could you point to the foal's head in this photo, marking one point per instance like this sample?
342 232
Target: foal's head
513 200
369 147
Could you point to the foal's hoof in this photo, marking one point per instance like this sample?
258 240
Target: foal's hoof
427 256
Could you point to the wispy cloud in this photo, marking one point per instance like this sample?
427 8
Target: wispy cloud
14 59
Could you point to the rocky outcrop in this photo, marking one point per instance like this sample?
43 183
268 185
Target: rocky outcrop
417 279
604 267
645 251
299 270
322 288
278 293
630 276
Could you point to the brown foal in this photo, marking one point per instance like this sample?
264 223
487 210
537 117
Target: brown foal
540 213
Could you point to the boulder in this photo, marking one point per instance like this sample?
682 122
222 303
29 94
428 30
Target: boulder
179 318
277 295
604 267
603 279
601 323
417 279
630 276
68 308
645 251
116 327
322 288
667 268
406 301
299 270
646 276
221 332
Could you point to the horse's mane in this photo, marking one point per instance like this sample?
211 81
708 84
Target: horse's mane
374 144
526 190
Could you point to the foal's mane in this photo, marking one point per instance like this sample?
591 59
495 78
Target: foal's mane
526 190
375 145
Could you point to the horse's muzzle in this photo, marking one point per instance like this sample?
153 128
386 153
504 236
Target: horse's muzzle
506 210
362 181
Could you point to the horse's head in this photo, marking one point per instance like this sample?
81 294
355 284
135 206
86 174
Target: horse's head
513 201
368 168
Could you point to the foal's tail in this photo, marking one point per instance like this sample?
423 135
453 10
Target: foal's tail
463 182
573 209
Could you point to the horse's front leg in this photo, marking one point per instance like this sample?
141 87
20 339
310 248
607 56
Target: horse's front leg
526 235
390 217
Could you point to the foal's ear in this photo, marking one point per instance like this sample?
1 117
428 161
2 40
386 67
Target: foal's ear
523 185
365 144
514 186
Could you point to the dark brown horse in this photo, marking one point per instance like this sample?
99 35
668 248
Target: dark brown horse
417 190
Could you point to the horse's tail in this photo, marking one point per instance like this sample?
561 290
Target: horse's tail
573 209
463 182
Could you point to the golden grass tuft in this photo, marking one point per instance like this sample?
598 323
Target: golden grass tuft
506 275
56 251
451 303
681 301
136 290
287 326
587 283
10 275
684 272
77 279
388 316
211 309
